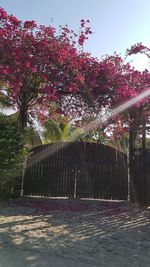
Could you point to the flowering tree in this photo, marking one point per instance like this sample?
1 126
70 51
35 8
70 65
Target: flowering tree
144 105
37 66
107 83
102 78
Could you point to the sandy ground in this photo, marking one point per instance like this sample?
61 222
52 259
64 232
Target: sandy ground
67 233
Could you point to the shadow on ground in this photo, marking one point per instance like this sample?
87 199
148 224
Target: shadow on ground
73 232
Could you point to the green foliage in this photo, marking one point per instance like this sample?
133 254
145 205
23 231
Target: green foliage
31 137
94 136
121 143
58 130
12 155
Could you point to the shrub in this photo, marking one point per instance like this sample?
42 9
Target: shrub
12 155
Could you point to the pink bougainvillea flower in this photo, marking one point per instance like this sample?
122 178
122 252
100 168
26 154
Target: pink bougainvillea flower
3 14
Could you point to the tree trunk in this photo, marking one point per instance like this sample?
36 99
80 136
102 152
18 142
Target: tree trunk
23 110
23 117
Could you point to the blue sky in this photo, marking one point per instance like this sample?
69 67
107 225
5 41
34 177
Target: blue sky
117 24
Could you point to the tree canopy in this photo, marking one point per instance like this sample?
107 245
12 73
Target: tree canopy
39 66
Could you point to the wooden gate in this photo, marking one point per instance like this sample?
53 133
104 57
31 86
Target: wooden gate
85 170
140 176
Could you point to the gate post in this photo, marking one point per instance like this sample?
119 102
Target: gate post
144 193
23 175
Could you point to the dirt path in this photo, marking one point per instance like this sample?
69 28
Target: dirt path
66 233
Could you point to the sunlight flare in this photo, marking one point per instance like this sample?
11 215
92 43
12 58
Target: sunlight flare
91 126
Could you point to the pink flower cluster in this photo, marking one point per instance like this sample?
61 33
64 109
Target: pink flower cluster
137 48
86 30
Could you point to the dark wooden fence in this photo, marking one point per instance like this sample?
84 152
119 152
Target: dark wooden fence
85 170
140 176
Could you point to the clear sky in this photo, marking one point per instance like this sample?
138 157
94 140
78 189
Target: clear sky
117 24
